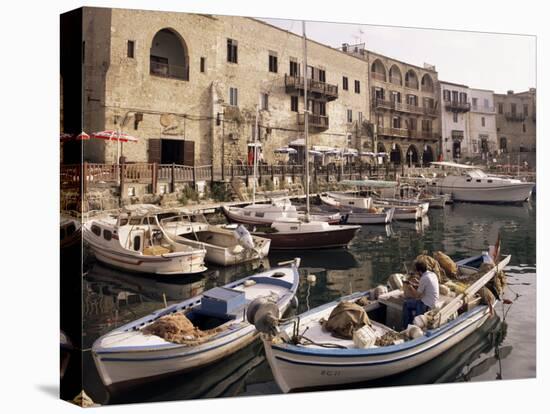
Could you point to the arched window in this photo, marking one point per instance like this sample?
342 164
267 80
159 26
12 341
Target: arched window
395 75
411 80
169 57
427 83
378 70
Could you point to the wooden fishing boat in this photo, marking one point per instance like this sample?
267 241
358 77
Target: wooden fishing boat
128 355
135 241
223 246
358 210
298 235
305 356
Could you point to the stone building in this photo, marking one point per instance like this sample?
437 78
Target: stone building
482 124
516 117
404 108
455 131
188 87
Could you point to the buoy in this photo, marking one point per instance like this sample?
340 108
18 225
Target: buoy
311 278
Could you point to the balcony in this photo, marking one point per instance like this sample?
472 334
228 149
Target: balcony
165 70
484 109
404 107
316 89
514 117
456 106
319 122
379 76
408 133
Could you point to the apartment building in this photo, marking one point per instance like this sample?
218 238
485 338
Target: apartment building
482 124
455 131
516 121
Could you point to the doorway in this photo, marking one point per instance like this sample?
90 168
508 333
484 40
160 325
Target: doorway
172 151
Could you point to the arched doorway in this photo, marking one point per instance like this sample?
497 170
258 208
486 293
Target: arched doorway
412 156
395 154
169 57
428 155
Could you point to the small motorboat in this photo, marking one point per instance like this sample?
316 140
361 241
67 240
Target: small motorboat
223 246
345 201
305 355
131 354
402 212
470 183
401 202
296 234
135 241
261 213
360 216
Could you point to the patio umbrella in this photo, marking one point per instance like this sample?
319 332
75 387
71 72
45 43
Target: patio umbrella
113 135
315 153
285 150
65 136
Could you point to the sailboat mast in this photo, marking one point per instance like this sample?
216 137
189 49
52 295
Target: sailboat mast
255 163
306 120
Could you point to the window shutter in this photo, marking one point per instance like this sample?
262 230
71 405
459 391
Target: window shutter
155 150
189 153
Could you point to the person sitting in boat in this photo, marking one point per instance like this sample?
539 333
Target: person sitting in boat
422 298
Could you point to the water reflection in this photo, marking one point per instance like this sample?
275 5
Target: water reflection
497 350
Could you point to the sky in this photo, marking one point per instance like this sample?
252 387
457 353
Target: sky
499 62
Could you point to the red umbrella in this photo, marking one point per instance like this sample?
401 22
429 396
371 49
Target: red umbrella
112 135
72 137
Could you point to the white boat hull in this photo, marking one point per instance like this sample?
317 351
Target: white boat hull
514 194
315 368
224 256
359 217
189 263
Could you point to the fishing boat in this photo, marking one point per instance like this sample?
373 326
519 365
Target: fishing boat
399 202
303 355
356 210
296 234
223 246
70 232
261 213
129 354
135 241
470 183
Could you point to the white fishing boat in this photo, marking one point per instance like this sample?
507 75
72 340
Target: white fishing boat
402 212
223 246
401 202
261 213
469 183
131 354
303 355
360 216
135 241
345 201
70 232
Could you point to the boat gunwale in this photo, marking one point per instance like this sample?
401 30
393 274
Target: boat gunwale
138 324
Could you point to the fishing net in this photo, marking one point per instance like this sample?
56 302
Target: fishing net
433 265
180 330
389 338
446 263
345 319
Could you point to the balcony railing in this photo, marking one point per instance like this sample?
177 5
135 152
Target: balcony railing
165 70
486 109
515 117
408 133
457 106
379 76
314 121
404 107
314 87
396 80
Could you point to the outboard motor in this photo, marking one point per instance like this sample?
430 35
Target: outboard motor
264 315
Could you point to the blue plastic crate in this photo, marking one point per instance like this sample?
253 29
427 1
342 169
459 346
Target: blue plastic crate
221 302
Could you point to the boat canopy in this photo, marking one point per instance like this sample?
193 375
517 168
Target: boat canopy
370 183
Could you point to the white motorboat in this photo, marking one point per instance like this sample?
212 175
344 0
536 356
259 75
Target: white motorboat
135 241
130 354
261 213
223 246
469 183
357 210
303 355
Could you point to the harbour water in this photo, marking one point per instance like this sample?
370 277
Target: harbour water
505 348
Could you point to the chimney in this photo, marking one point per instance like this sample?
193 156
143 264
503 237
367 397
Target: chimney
510 92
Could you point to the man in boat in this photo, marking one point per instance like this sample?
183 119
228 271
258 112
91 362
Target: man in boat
422 298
